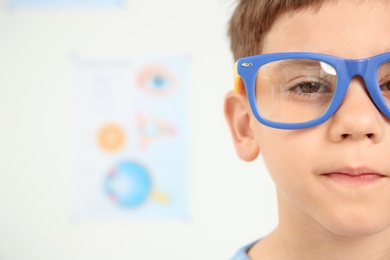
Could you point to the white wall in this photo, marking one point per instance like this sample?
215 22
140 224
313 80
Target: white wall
231 202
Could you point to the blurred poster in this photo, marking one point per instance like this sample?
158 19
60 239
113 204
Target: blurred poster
39 4
132 133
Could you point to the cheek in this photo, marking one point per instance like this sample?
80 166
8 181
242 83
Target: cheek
287 164
289 153
291 158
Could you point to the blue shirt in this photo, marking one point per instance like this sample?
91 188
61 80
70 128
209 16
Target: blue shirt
242 253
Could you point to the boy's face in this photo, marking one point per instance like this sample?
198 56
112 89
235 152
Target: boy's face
336 176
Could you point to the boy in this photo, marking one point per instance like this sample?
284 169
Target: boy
316 102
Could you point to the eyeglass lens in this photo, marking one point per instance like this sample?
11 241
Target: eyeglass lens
301 90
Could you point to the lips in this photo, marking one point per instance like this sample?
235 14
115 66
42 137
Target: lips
361 175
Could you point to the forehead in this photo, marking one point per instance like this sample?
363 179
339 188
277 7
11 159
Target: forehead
346 29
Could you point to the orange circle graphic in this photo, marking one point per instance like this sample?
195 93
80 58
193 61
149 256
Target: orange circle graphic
111 137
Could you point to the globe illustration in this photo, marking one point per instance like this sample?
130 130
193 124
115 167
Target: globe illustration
128 184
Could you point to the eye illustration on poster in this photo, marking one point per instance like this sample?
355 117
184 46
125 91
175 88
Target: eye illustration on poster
156 80
132 137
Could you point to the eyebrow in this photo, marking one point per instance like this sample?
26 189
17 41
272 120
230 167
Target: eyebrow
380 51
296 61
370 54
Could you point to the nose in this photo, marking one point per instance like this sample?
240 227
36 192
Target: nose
357 118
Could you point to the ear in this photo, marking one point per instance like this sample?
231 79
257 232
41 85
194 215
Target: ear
238 115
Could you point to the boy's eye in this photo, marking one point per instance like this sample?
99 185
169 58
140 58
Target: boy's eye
310 87
385 86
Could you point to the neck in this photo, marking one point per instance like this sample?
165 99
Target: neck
298 236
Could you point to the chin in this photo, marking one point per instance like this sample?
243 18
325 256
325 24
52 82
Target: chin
358 228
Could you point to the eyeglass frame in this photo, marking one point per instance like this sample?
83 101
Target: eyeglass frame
245 72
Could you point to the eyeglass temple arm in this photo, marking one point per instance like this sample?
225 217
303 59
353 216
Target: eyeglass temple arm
239 87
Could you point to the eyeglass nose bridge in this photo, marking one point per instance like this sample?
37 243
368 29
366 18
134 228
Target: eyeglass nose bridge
362 68
357 67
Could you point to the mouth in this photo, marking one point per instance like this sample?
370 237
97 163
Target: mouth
357 176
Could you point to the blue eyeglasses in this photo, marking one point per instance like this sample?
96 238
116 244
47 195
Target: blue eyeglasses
296 90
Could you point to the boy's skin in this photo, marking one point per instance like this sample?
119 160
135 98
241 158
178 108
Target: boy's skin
322 216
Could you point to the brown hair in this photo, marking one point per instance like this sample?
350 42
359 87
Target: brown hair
252 19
